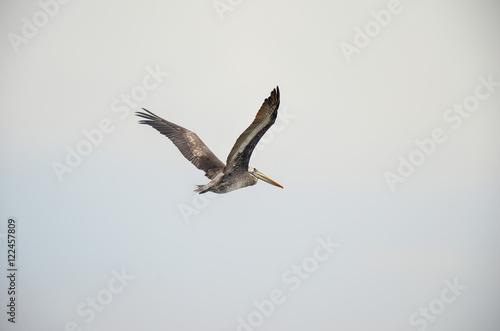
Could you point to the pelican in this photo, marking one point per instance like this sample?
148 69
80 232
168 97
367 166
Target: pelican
236 173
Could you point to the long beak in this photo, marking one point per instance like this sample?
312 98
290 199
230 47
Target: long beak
263 177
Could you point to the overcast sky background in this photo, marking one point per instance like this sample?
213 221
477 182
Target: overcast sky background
199 263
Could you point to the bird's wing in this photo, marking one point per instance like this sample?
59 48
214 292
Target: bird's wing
187 142
239 156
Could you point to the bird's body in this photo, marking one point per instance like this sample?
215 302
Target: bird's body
225 183
236 173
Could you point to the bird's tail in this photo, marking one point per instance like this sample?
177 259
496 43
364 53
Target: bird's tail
201 189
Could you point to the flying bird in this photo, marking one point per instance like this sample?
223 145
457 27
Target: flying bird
236 173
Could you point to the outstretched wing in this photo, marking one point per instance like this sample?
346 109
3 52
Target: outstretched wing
187 142
239 156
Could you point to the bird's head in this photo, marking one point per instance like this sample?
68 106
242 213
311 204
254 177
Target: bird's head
259 175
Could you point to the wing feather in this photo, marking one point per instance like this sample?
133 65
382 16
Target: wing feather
188 143
239 157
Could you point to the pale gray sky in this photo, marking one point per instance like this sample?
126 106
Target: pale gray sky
387 144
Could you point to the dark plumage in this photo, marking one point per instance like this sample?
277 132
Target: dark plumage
236 173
